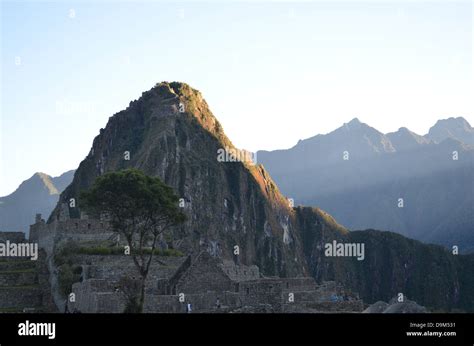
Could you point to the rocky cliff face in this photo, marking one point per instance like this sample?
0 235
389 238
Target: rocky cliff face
170 132
228 203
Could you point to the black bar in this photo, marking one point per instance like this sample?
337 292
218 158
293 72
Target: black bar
218 329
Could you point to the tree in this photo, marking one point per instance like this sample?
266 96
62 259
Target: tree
137 206
129 287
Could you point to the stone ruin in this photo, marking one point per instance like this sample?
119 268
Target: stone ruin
206 281
209 284
24 285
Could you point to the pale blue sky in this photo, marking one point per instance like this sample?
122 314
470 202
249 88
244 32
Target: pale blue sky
272 72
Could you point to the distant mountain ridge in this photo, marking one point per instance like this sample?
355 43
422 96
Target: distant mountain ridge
404 139
38 194
358 175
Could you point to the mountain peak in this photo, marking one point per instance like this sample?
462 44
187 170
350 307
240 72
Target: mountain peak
406 132
455 128
171 133
361 138
174 88
48 183
452 121
354 123
187 100
404 139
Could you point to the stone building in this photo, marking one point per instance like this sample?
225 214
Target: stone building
206 281
212 285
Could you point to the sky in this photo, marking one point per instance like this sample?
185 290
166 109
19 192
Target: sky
273 72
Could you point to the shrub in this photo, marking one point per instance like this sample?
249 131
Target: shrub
68 275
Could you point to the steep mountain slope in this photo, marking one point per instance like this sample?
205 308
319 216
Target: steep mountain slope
229 203
363 190
38 194
235 203
393 264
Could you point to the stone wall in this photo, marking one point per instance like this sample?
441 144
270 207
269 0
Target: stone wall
43 276
83 226
113 267
240 272
163 304
204 275
51 236
44 235
202 302
20 296
299 284
263 291
109 302
73 229
17 278
96 295
169 286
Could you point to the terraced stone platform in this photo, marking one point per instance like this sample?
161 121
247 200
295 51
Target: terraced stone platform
20 290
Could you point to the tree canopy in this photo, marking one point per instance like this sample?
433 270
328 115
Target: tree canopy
137 206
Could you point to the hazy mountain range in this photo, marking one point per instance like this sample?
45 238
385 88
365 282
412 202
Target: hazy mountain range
359 175
38 194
